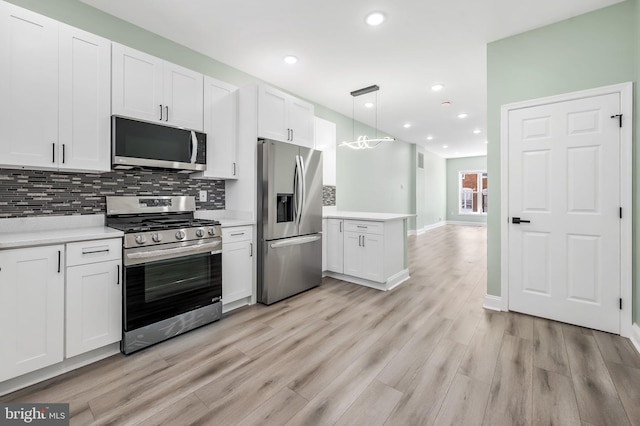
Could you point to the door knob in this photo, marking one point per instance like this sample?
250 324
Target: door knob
518 220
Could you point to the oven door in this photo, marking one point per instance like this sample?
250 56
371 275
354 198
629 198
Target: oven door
162 283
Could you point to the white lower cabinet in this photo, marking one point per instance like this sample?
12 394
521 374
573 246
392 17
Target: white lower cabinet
94 295
31 309
363 256
237 263
335 246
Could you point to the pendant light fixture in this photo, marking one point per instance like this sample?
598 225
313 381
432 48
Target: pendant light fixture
364 142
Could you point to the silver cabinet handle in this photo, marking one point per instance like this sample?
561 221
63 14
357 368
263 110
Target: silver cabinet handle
160 112
340 226
53 151
63 153
363 241
250 249
292 134
234 169
362 227
118 276
166 108
95 250
59 260
236 234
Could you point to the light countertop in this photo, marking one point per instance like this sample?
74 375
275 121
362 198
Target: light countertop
376 217
59 236
226 218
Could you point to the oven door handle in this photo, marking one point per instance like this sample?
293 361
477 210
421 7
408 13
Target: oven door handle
150 255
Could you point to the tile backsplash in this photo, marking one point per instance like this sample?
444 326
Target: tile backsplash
26 193
328 195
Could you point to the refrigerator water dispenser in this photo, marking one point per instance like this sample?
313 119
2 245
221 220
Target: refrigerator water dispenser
285 208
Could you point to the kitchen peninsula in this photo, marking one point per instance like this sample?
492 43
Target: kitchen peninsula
364 248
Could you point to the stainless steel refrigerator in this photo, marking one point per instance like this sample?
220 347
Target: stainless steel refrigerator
289 220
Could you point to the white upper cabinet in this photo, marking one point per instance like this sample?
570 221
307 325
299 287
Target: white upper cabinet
220 125
151 89
85 83
325 141
54 86
284 118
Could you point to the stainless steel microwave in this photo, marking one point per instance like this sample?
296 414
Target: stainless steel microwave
141 144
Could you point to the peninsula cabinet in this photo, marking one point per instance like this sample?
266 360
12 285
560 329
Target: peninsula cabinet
55 89
31 309
367 252
220 125
151 89
285 118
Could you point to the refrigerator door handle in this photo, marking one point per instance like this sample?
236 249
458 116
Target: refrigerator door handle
299 189
295 241
303 186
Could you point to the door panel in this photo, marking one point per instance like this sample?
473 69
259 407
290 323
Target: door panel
311 219
565 263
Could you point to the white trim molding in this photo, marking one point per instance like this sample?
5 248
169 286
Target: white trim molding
463 223
626 196
426 228
493 303
635 337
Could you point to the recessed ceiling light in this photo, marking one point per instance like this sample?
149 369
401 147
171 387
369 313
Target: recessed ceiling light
486 141
445 146
477 131
437 87
446 103
375 18
406 125
429 138
290 59
463 115
368 105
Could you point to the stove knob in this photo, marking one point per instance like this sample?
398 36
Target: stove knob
156 238
180 235
212 231
200 232
141 239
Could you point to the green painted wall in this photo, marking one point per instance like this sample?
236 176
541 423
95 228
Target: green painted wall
591 50
430 189
454 167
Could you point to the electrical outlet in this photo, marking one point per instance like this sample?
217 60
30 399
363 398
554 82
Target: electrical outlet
202 196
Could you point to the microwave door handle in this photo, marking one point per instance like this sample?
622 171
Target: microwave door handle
194 147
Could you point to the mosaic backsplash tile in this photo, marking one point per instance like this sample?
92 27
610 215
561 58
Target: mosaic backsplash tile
26 193
328 195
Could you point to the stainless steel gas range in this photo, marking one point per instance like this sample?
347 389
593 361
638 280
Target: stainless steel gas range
172 268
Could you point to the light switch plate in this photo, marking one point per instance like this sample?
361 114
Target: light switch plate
202 196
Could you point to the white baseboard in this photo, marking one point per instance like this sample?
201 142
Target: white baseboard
459 222
228 307
635 336
493 303
393 281
426 228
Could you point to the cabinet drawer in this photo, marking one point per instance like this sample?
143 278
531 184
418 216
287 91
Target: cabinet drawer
237 233
364 227
85 252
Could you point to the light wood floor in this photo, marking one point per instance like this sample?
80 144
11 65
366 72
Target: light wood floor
424 353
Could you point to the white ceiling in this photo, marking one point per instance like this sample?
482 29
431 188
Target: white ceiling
421 43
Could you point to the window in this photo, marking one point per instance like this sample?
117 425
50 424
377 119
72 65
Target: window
473 193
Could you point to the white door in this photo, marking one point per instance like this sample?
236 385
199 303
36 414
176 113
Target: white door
94 306
137 84
335 245
31 309
220 125
353 254
28 88
237 272
373 257
85 101
183 97
301 122
272 114
564 178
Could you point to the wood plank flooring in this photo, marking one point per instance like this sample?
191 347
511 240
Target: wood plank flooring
424 353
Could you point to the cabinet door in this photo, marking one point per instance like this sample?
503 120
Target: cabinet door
220 125
272 114
28 88
85 99
94 306
182 98
373 257
31 309
137 84
301 122
353 254
325 140
237 271
335 245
